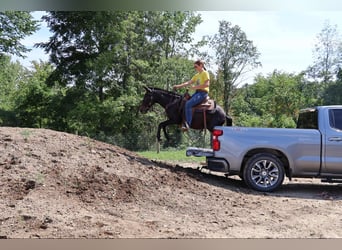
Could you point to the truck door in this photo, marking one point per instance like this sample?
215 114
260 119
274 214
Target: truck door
333 143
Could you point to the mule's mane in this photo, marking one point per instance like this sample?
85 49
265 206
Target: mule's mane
170 93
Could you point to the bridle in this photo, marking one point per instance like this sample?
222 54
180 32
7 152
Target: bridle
147 104
149 100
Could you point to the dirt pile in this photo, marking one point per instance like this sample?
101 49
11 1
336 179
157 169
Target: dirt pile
58 185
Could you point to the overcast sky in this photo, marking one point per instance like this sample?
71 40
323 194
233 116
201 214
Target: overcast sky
285 39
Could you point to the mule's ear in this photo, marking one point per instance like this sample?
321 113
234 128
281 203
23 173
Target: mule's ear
147 89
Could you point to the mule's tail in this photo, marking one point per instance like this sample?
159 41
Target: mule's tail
229 121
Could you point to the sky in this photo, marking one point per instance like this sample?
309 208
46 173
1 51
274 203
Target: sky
285 39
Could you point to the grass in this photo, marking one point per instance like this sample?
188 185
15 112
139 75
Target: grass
170 156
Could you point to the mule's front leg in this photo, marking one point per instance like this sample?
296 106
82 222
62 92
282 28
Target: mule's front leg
158 132
163 125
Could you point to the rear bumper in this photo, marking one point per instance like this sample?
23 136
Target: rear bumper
218 164
214 164
199 152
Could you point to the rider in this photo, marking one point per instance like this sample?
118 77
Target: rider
199 82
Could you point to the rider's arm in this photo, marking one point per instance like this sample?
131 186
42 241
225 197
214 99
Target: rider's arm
202 86
184 84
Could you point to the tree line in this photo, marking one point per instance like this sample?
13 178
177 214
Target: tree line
99 62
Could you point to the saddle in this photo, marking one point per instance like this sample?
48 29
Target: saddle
206 104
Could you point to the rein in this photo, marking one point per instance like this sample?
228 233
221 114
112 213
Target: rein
174 96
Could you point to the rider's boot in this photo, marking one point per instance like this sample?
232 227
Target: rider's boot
185 127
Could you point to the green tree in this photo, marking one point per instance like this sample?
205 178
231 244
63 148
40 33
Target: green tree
93 53
327 55
235 56
332 94
80 42
169 35
33 97
11 75
171 31
15 25
104 58
273 101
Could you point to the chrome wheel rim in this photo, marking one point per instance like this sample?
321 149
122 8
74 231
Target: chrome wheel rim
265 173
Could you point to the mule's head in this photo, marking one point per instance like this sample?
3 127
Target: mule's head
148 101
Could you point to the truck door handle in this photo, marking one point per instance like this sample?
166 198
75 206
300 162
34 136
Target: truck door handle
335 139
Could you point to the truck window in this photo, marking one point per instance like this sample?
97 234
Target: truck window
308 119
335 118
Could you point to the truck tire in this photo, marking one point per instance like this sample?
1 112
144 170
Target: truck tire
264 172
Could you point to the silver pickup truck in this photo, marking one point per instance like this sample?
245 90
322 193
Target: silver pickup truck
262 157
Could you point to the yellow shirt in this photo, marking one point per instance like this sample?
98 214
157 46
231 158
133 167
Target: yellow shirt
200 78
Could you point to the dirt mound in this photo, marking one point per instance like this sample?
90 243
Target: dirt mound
58 185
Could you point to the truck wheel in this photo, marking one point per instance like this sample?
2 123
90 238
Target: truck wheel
264 172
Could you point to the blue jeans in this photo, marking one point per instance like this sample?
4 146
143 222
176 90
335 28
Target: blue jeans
196 99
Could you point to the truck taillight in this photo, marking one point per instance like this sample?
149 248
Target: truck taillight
217 132
215 141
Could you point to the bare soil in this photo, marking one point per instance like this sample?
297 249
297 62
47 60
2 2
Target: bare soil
59 185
